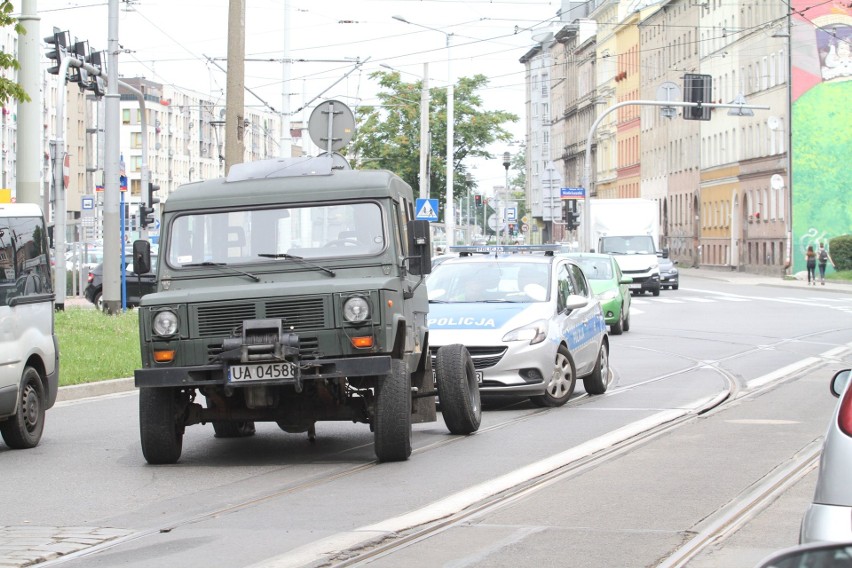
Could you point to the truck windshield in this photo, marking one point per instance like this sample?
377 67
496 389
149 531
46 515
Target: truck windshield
262 235
638 244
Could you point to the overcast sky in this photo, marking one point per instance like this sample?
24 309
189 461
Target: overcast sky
170 41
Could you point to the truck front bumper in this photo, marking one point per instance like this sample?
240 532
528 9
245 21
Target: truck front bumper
216 375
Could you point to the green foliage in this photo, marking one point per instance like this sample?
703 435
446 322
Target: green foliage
840 249
8 88
388 136
94 346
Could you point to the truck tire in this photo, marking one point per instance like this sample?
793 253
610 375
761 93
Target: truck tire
161 424
392 420
598 381
23 429
656 291
458 391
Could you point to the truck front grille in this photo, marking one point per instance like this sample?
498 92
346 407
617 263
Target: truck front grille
296 314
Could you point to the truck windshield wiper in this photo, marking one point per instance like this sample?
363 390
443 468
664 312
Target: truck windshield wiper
286 256
223 265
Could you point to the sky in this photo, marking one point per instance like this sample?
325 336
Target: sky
184 43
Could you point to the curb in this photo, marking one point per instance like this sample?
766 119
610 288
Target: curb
99 388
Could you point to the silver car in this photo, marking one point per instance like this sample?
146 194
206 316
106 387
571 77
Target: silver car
829 517
530 321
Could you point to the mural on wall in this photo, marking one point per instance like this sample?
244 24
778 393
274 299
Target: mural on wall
822 116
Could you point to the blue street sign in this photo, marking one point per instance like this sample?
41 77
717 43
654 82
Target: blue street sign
572 193
426 210
87 203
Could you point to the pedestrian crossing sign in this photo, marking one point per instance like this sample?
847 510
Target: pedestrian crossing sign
426 210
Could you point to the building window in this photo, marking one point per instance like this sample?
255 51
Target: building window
135 139
125 116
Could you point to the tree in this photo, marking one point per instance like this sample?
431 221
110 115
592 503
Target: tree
9 88
388 136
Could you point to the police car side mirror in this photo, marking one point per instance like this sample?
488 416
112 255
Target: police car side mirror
575 301
419 247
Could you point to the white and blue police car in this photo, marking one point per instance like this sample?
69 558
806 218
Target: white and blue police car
527 316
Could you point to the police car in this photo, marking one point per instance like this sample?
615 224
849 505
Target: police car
527 316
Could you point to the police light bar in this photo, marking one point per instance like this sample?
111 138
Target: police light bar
467 250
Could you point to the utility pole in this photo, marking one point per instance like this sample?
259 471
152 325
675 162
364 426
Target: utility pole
235 97
286 144
27 189
113 249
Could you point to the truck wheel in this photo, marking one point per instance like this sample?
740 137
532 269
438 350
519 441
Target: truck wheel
23 429
598 381
238 429
458 390
561 383
656 291
160 424
392 420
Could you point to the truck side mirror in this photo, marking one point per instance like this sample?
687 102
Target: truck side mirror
141 257
419 247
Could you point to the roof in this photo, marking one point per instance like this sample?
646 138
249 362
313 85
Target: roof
283 185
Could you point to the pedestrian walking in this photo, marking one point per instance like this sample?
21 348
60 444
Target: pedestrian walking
823 258
811 258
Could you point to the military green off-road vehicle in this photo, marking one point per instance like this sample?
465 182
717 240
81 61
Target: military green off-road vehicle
292 291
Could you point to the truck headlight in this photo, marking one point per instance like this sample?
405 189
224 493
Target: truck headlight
165 323
535 332
356 309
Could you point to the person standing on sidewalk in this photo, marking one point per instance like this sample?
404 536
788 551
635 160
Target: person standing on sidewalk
823 258
810 262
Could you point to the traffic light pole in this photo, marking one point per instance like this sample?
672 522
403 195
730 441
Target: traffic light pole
587 166
60 207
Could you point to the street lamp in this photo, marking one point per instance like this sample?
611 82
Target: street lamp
425 145
449 217
507 161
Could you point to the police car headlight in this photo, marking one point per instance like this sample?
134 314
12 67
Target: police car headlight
165 323
356 310
535 332
608 295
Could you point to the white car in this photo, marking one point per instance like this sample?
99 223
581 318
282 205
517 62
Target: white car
529 320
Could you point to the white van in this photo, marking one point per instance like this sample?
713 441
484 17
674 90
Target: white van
29 353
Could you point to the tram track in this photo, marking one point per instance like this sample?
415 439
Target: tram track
397 539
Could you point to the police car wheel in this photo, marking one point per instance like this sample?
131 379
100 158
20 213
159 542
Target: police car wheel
561 382
458 390
392 419
598 381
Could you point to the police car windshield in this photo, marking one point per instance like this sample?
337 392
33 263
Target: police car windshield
266 235
497 280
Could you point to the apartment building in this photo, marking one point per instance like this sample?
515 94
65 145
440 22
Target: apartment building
721 184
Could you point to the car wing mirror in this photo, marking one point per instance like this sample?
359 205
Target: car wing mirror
626 280
575 301
839 382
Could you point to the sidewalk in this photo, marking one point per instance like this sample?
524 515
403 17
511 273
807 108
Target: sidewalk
798 280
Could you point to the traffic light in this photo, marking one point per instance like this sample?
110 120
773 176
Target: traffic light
98 82
58 48
572 220
477 200
80 51
146 212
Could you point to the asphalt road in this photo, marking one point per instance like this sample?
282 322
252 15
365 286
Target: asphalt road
273 500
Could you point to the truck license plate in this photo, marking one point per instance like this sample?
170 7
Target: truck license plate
261 372
635 286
